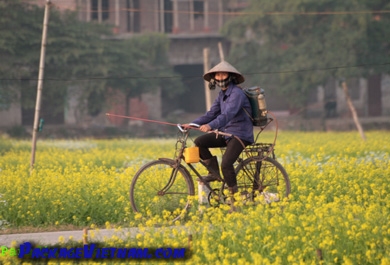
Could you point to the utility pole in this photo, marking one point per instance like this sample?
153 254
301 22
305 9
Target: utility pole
221 54
206 66
40 83
353 111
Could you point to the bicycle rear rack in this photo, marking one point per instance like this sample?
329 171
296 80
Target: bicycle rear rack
259 149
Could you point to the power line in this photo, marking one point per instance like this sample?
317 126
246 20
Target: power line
320 69
240 13
272 13
177 76
230 13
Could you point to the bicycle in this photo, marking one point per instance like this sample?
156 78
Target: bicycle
165 186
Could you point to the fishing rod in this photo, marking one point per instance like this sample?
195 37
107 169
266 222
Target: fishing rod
196 127
192 125
140 119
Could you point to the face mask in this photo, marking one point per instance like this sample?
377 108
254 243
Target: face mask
223 83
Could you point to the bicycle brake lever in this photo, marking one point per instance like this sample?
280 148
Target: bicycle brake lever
194 125
181 128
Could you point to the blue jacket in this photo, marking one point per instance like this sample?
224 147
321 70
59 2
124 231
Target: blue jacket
227 114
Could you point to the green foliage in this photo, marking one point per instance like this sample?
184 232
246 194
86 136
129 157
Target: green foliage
338 211
297 45
78 54
18 132
141 64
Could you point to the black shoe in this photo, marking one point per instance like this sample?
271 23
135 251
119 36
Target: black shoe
211 178
213 168
233 189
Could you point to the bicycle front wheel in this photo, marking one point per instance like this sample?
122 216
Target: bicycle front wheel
159 189
264 178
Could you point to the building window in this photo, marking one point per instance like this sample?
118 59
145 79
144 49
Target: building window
103 9
354 88
133 15
198 9
94 9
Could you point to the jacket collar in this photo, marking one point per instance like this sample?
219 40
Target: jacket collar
228 91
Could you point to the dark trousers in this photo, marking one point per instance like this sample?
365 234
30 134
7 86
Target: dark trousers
233 151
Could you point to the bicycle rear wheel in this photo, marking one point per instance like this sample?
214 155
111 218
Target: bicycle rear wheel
159 189
262 179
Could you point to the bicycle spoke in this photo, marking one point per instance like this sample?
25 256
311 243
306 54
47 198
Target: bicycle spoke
264 177
159 190
170 182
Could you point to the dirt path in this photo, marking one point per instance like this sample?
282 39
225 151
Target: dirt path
50 238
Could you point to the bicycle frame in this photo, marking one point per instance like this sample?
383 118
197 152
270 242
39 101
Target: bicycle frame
256 149
257 172
180 156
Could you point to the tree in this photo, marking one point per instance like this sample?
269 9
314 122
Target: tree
19 36
297 45
83 55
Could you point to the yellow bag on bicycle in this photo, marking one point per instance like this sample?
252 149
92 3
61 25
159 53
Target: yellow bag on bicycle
191 154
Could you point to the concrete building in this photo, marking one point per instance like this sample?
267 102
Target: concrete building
192 26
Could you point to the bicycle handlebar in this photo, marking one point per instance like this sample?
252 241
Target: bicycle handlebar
196 127
183 130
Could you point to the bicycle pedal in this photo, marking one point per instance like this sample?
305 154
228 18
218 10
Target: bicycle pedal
200 180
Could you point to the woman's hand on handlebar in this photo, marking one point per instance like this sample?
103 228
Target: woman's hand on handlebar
187 126
205 128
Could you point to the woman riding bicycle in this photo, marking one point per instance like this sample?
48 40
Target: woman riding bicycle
227 114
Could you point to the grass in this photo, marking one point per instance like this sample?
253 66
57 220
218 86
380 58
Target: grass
337 213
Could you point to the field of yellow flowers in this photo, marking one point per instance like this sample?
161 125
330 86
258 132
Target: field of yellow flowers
338 211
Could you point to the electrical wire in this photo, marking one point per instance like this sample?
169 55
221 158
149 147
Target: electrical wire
195 77
239 13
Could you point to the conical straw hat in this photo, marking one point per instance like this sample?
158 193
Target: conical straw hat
224 67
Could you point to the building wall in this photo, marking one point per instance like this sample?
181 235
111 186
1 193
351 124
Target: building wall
151 15
385 89
189 37
358 93
61 5
11 116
